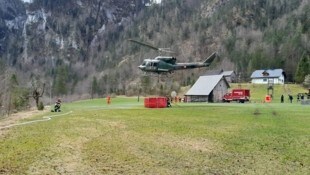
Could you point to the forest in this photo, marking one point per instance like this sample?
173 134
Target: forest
86 53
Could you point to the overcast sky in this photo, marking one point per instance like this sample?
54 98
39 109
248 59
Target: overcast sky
27 0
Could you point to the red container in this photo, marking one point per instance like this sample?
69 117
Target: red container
155 102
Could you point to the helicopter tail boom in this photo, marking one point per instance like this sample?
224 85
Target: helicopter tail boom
210 59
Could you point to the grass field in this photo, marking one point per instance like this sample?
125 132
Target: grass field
126 138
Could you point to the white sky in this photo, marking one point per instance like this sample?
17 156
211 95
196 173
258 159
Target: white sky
29 1
157 1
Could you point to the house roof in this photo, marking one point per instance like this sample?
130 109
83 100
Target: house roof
271 73
205 84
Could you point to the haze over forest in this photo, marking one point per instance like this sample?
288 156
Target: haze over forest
80 48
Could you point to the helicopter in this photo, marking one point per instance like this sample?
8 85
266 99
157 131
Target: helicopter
168 64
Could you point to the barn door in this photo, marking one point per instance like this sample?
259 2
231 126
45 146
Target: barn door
211 97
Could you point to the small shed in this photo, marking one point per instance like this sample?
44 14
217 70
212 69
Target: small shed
230 76
210 88
269 76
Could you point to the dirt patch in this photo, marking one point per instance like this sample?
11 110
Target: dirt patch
14 118
257 112
202 145
274 113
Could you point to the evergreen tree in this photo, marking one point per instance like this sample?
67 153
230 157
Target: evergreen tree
16 97
94 87
303 68
60 87
307 81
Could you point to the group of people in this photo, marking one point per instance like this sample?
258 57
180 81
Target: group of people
290 98
300 97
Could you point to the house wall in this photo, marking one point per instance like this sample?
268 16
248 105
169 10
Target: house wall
265 80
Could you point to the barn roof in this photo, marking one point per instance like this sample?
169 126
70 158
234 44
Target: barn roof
227 73
271 73
205 84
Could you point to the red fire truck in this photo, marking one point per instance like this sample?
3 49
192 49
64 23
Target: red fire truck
239 95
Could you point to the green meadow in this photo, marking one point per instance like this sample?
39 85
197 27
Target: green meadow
126 138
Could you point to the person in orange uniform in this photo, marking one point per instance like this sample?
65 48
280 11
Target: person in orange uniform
108 100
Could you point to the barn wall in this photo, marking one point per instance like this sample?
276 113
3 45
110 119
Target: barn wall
219 91
228 79
197 98
231 78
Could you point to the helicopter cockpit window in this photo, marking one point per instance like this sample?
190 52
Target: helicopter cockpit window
144 63
148 63
155 64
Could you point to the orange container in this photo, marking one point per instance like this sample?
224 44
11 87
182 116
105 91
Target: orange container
267 99
155 102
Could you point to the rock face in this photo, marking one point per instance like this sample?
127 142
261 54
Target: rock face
58 21
11 9
41 36
12 18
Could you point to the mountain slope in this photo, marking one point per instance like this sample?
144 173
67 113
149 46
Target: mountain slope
77 46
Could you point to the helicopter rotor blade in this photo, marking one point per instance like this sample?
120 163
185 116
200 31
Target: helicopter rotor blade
167 50
144 44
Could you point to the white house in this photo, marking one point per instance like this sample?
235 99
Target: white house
270 76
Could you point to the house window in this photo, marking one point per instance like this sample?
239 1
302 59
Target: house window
265 80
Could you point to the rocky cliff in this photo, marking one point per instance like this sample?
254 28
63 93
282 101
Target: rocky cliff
47 37
12 19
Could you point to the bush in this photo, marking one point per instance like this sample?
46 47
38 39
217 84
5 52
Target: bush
307 81
41 106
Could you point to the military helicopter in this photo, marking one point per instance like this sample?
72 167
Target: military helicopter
168 64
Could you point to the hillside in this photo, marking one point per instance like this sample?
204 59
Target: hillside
258 92
76 47
91 137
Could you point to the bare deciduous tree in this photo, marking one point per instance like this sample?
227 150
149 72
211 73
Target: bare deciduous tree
37 90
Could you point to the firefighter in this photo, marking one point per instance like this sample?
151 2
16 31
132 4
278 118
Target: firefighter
282 98
57 106
108 100
290 98
168 102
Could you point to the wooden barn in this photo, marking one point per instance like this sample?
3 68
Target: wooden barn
208 89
